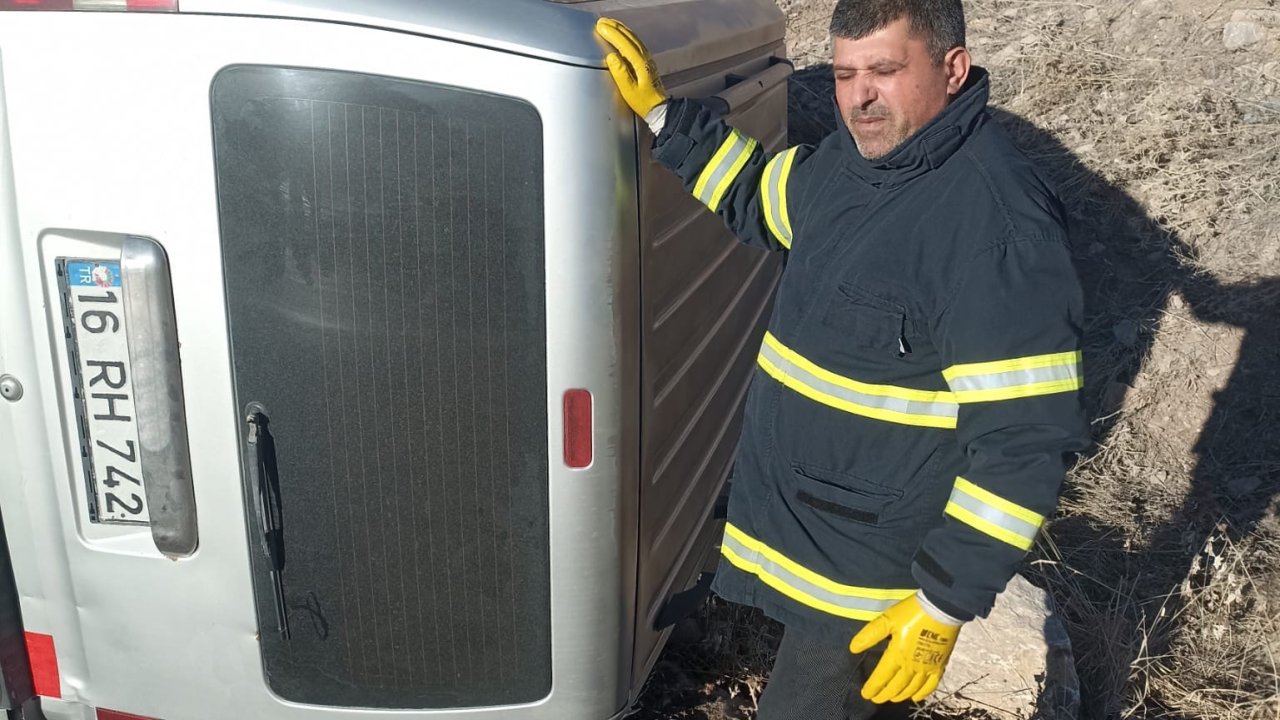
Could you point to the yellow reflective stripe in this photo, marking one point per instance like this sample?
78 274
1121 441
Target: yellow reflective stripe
782 194
808 575
802 584
988 527
931 396
768 186
1016 378
700 187
794 594
876 413
1023 363
773 195
890 403
714 180
1019 391
991 514
732 175
999 503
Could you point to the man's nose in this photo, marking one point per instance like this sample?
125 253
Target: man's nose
864 92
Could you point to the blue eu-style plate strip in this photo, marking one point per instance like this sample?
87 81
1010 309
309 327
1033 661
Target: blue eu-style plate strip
93 274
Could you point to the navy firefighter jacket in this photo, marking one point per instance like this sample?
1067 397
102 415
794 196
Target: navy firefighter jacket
917 393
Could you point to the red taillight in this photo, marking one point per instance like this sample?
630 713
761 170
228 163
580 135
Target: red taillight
118 5
577 428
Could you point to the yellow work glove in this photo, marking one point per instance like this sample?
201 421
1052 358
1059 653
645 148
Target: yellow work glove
632 67
912 664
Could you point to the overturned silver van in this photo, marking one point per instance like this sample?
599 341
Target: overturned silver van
356 359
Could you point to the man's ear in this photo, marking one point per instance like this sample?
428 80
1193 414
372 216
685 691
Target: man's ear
956 63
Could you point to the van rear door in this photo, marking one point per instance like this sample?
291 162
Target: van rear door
348 250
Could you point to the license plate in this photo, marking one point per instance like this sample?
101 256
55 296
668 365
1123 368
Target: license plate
101 377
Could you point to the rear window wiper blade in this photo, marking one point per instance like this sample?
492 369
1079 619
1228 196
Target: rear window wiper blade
265 479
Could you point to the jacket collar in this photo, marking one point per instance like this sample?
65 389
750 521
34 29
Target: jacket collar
928 147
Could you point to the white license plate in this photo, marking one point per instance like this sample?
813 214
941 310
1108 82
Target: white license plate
102 379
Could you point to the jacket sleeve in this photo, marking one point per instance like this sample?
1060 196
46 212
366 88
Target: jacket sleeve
1010 343
759 197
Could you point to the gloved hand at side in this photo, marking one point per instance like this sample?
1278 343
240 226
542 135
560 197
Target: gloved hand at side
921 639
633 70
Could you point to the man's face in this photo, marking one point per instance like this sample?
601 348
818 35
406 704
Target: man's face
887 86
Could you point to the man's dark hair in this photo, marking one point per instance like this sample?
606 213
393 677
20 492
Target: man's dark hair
939 22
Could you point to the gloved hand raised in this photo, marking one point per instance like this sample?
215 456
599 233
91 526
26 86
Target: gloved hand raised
913 663
632 67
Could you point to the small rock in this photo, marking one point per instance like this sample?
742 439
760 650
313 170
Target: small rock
1241 34
1016 662
1152 9
1270 18
1265 111
1126 331
982 26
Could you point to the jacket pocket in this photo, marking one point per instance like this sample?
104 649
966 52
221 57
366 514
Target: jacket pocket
868 321
842 495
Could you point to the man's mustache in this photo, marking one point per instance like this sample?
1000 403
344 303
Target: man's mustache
871 111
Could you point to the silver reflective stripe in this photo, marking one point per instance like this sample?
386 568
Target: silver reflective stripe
1000 519
798 588
1014 378
720 172
870 401
773 197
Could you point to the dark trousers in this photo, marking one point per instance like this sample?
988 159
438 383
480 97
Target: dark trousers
815 677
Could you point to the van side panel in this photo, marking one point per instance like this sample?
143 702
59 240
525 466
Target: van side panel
706 303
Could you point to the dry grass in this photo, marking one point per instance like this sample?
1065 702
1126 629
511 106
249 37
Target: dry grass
1164 555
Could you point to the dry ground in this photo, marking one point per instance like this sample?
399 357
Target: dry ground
1164 143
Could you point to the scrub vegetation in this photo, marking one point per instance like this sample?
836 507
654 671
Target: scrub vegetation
1159 123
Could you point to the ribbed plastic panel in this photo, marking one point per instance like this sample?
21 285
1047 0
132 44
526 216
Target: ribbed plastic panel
383 255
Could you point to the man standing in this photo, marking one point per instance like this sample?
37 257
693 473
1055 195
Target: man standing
917 390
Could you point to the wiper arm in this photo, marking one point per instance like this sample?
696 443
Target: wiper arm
265 478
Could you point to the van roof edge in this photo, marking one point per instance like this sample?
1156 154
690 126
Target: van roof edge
558 30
